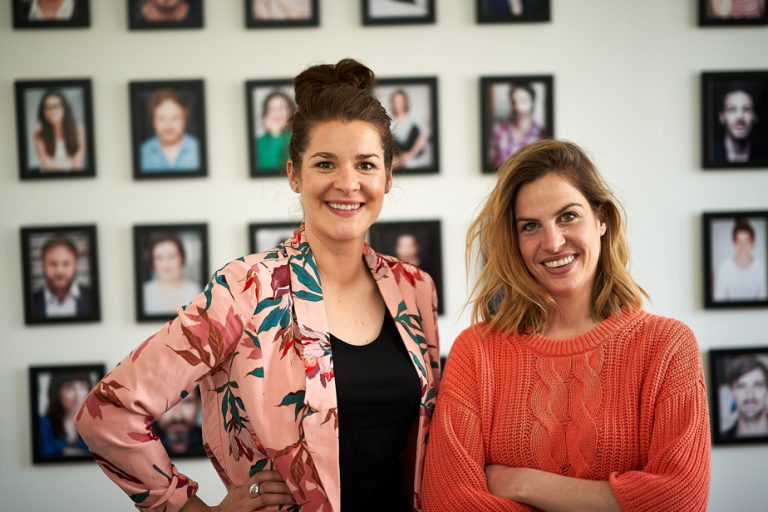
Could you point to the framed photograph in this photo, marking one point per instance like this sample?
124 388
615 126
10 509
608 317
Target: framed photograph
61 274
736 259
171 268
412 105
734 112
54 128
516 111
168 129
270 105
180 429
398 12
730 12
265 236
51 13
739 394
281 13
164 14
417 242
512 11
55 394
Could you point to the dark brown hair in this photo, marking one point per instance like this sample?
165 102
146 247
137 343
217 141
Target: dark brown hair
56 412
69 126
742 365
58 240
341 91
162 238
742 224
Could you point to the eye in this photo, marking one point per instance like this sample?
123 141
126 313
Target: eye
528 227
568 217
324 164
366 166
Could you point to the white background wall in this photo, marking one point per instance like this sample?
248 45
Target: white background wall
626 88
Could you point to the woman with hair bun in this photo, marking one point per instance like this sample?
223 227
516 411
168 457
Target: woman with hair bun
317 360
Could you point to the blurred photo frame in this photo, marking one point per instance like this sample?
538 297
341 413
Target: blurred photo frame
156 14
168 129
398 12
180 429
418 242
60 274
282 13
512 11
735 119
171 268
31 14
55 393
739 395
45 108
735 259
263 236
720 13
412 105
270 105
510 105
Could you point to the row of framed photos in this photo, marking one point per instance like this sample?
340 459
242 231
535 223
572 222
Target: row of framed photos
55 125
61 271
738 392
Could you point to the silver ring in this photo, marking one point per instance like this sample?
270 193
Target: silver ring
253 490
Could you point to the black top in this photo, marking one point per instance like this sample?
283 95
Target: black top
378 394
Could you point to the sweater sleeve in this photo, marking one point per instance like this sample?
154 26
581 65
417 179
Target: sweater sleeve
676 472
454 473
115 419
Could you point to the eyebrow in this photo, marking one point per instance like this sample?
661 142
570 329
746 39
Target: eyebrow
361 156
558 212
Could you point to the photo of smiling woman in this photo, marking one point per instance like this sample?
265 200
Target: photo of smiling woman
317 360
565 395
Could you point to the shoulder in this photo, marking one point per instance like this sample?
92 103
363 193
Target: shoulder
150 144
478 340
190 140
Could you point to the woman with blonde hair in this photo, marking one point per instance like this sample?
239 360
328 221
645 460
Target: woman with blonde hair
565 395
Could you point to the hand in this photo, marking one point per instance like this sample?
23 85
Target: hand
505 481
272 491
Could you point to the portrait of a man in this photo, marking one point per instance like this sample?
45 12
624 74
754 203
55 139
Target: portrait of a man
740 390
180 428
738 117
149 14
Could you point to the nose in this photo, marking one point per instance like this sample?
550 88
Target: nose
553 238
347 179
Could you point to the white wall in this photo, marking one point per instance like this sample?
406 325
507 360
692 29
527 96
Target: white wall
627 88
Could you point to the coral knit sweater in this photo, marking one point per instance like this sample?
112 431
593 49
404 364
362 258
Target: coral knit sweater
624 403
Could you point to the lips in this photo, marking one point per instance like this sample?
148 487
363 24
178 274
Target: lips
347 207
561 262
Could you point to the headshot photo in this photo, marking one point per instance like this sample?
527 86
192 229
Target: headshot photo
60 270
516 110
51 13
54 129
163 14
736 259
270 106
180 429
56 393
171 268
732 12
416 242
512 11
262 237
735 112
168 126
412 105
397 12
740 395
281 13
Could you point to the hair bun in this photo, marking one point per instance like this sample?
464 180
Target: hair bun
347 73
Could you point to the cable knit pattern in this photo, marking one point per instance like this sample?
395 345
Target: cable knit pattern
623 403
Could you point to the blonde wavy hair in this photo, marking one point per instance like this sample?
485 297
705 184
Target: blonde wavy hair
506 296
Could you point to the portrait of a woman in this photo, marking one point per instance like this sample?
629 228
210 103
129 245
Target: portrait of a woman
411 136
519 129
167 289
59 139
742 275
57 434
272 144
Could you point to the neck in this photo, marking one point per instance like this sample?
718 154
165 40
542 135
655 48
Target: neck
757 426
571 318
737 150
339 263
743 260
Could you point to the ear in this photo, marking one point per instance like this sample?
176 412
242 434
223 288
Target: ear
603 227
293 179
388 184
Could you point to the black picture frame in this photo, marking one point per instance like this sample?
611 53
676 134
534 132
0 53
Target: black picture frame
398 12
263 236
181 251
71 14
737 375
74 155
726 283
496 108
294 14
149 161
268 152
727 99
420 122
180 429
46 256
50 443
708 18
191 19
501 11
425 239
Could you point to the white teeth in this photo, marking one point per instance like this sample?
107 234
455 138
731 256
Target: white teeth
343 206
560 262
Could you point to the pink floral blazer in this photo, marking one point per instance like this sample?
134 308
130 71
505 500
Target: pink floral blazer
256 342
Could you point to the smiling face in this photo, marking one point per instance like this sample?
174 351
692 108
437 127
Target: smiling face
751 393
738 115
167 262
72 394
522 102
278 111
558 236
53 109
743 243
342 180
170 121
